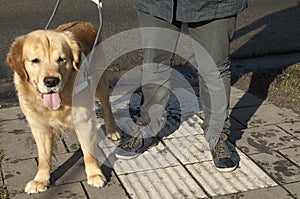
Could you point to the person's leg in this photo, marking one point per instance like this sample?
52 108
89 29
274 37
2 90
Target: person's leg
158 48
214 37
215 81
156 65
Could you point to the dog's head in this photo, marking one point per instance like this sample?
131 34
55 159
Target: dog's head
45 59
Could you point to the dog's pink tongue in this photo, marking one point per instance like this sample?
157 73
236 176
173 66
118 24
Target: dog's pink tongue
52 100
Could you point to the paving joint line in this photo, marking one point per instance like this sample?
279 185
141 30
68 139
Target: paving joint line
266 125
10 161
146 170
270 176
249 106
122 185
196 181
243 127
295 137
288 159
84 190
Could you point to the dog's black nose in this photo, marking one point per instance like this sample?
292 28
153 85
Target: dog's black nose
51 81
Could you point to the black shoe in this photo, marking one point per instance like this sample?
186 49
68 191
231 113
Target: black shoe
222 155
136 145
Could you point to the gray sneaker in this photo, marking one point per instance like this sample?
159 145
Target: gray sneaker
222 156
136 145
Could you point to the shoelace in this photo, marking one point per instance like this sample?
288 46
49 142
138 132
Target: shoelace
131 142
221 150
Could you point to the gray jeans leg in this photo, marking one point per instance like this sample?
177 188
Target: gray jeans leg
214 37
156 69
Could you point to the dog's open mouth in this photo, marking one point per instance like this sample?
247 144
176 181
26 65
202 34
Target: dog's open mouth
51 100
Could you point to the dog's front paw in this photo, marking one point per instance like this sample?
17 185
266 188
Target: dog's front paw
113 135
96 181
35 186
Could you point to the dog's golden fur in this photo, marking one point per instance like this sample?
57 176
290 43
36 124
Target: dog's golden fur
55 54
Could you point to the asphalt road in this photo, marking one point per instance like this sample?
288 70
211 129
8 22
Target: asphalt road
267 27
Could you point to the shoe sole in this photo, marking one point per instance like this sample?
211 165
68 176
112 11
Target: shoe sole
122 157
226 169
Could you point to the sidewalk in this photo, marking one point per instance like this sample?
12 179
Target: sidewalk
267 140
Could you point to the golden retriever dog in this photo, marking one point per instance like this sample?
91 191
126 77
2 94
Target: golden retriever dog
45 65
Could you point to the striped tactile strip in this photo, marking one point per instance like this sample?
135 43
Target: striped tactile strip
182 167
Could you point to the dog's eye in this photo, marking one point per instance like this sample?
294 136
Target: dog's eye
61 60
35 61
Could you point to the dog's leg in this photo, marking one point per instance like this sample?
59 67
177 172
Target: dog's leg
44 140
102 93
94 174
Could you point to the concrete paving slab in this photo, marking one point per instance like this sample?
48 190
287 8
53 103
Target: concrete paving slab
236 91
188 101
171 182
66 191
292 128
293 154
14 126
235 124
167 168
69 168
183 99
71 141
103 141
17 147
11 113
290 111
263 139
120 104
281 169
160 156
189 126
293 189
112 190
239 99
18 133
71 171
247 177
276 192
189 149
155 158
22 146
182 102
262 115
125 124
18 173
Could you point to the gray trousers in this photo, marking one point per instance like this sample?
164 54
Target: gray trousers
214 36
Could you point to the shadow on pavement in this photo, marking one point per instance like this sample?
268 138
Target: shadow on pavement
286 32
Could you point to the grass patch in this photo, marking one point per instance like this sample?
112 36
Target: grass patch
278 86
4 194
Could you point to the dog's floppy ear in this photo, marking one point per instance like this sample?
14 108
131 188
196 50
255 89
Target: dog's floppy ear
75 48
15 60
